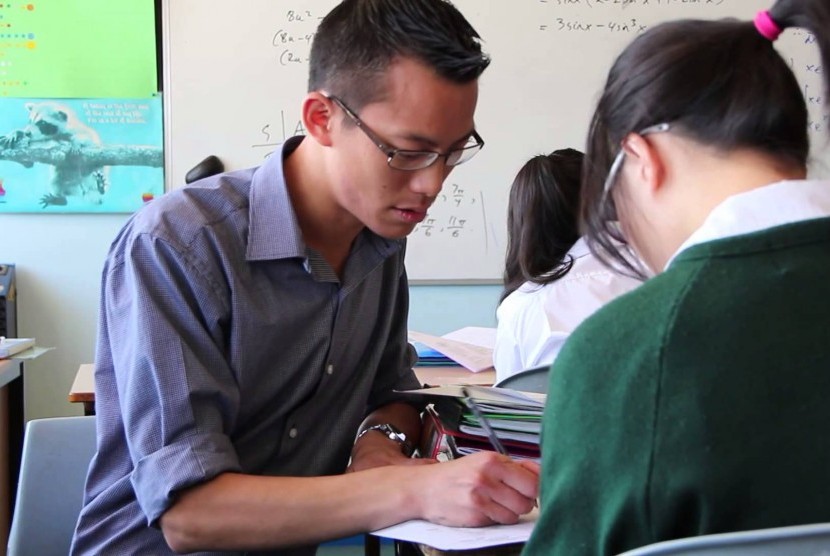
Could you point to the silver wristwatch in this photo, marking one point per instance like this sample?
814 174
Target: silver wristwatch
391 432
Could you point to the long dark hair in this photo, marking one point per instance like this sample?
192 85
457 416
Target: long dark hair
542 219
358 39
720 83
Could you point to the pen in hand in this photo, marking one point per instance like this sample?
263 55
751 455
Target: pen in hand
485 424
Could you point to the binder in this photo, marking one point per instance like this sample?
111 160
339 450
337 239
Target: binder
442 436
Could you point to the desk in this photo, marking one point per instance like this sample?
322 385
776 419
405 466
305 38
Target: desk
11 439
9 371
83 387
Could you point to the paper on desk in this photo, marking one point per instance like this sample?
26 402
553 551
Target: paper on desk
461 538
477 335
30 353
472 357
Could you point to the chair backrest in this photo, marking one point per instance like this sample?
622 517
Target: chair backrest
56 456
797 540
529 380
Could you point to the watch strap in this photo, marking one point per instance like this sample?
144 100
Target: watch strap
392 433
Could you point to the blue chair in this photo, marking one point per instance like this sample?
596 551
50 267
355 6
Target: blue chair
56 456
797 540
529 380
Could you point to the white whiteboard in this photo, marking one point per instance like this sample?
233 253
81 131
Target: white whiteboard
236 73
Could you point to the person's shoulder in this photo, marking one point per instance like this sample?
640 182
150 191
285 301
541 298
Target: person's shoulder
525 297
639 317
181 214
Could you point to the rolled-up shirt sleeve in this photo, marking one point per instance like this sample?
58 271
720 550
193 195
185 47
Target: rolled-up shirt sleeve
178 397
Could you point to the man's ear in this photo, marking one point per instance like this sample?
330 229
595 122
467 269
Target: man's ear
318 114
645 162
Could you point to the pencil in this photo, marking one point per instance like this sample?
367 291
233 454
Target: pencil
485 424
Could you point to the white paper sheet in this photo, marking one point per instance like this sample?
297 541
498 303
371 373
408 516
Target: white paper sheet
470 356
477 335
461 538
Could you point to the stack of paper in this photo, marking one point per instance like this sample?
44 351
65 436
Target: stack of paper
10 347
515 417
451 428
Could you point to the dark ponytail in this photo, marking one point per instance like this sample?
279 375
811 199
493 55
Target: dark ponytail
542 219
719 83
812 15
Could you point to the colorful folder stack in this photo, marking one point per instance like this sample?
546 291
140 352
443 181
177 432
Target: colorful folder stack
451 430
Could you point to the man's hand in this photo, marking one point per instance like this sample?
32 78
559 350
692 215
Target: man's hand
374 449
480 489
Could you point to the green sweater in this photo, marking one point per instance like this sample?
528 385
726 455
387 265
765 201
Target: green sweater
698 403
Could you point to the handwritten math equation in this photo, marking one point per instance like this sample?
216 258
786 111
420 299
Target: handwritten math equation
600 3
620 26
273 133
292 41
810 74
458 212
606 16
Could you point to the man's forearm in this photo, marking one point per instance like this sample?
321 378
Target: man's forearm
246 512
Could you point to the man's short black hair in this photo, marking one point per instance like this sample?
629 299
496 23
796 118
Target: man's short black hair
358 39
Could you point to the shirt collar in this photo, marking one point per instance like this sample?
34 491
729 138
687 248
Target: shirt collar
274 232
579 249
777 204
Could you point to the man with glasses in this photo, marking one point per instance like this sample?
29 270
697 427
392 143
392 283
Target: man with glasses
253 326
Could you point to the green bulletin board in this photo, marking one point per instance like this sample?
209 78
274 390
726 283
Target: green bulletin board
77 49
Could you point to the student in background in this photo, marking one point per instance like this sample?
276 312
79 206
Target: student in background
251 321
552 282
697 403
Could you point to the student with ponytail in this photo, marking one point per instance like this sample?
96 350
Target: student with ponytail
697 403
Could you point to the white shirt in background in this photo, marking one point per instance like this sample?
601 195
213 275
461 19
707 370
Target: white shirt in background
534 321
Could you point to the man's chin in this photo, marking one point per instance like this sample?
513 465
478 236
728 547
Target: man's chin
399 231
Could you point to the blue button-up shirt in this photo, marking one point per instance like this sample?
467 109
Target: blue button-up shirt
226 344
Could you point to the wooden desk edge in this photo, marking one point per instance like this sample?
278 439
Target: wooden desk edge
83 387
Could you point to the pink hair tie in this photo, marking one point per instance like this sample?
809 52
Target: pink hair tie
767 26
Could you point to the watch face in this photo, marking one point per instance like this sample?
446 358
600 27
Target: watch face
394 433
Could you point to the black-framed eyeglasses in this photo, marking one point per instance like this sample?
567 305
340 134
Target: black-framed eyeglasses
403 159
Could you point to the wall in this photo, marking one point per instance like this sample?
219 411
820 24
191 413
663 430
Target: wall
442 309
59 260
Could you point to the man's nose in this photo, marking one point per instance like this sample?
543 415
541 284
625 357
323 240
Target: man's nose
430 180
